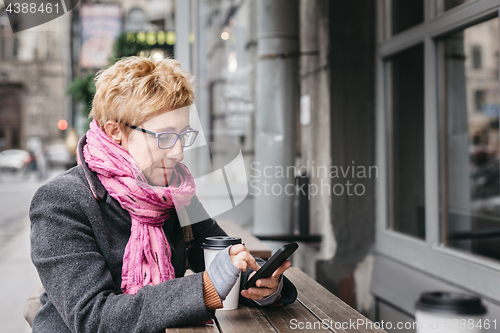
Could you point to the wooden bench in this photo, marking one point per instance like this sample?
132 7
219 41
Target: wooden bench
315 310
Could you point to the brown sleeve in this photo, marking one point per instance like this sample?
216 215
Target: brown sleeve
212 299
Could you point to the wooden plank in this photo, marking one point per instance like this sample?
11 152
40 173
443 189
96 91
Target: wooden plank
208 328
244 319
316 311
293 318
252 243
322 302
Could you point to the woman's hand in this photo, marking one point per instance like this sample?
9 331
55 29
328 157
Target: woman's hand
241 258
267 286
227 266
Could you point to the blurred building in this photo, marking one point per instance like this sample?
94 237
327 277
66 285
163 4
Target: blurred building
38 64
396 123
96 26
34 73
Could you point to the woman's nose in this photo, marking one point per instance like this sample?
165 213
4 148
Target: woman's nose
176 152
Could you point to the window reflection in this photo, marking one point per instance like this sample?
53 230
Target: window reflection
470 162
407 142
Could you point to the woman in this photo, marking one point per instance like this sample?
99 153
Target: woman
105 235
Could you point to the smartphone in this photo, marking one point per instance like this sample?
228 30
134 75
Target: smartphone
272 264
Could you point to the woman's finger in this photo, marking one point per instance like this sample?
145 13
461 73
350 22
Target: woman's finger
252 263
236 254
236 249
257 293
240 264
280 270
267 283
243 260
249 295
249 259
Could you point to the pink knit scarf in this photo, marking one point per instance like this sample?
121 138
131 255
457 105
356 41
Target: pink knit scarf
147 258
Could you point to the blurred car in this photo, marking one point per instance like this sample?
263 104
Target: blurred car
14 159
486 188
58 156
486 180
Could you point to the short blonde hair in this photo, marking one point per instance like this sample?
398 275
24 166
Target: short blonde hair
134 89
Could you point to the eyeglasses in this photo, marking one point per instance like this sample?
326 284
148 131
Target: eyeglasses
166 140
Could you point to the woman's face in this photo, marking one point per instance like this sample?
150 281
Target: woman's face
158 164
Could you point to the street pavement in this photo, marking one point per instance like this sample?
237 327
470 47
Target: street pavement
18 276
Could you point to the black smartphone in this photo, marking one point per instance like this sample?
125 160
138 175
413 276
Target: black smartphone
272 264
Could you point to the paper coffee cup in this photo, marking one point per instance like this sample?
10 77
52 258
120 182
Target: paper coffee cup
211 247
449 312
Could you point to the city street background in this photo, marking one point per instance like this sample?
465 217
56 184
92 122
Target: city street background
18 276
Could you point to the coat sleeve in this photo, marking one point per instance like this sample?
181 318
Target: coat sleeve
80 285
209 227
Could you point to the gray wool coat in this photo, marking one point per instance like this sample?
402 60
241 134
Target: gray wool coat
78 237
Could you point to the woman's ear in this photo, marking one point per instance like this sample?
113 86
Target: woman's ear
114 131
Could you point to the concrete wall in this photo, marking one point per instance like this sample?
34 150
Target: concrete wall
341 83
315 138
352 34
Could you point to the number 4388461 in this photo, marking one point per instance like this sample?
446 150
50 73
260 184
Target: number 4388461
471 324
32 8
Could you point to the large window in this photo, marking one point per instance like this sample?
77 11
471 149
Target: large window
438 201
471 219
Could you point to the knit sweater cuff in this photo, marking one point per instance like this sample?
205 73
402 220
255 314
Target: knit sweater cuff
212 299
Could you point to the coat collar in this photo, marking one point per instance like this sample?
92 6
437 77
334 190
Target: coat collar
95 184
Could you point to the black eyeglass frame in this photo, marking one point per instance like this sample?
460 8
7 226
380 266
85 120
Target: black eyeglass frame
157 135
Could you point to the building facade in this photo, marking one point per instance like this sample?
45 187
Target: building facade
38 64
34 71
397 127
